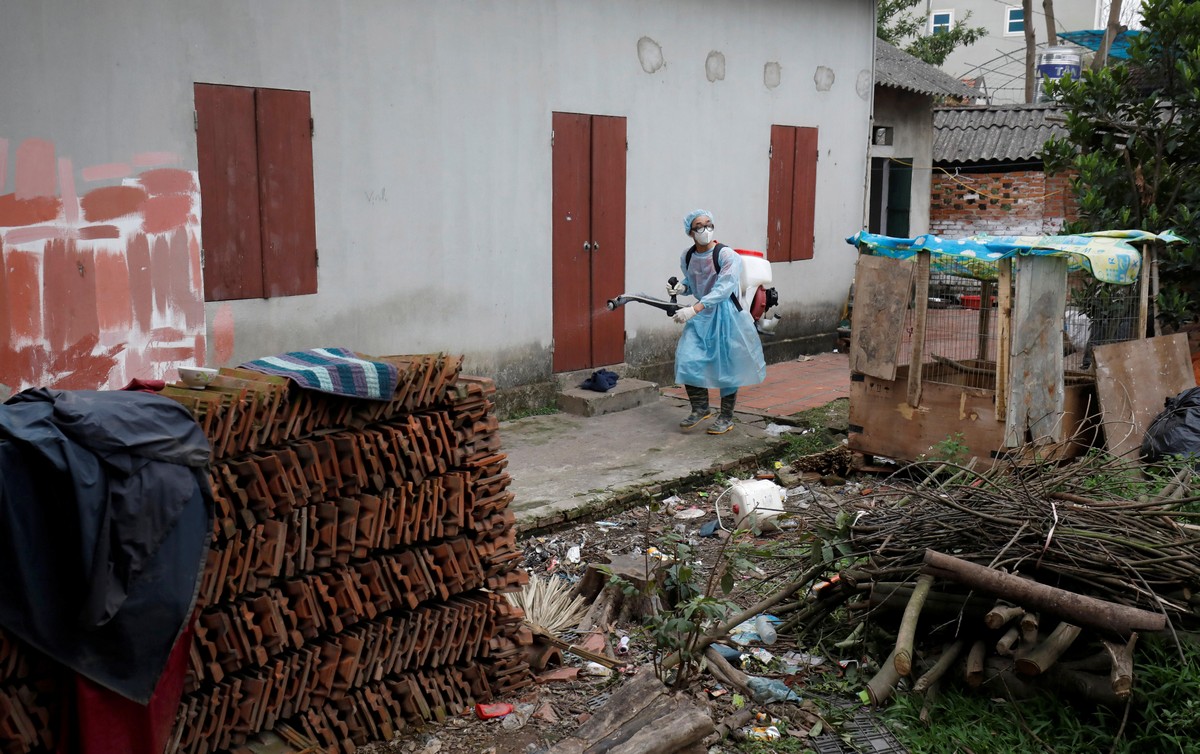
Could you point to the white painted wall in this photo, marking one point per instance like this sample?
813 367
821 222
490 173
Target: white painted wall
432 148
911 115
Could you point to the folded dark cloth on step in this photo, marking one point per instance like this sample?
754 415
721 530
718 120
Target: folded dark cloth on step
602 380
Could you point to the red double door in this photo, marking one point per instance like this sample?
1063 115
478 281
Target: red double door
588 240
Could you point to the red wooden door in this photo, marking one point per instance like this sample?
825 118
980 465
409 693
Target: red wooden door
588 239
791 195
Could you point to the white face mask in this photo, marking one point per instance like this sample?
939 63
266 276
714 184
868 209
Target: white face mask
703 236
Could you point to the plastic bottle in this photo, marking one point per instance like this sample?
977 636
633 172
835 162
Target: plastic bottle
766 631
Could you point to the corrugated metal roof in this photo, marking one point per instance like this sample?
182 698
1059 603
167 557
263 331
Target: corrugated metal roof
992 133
898 69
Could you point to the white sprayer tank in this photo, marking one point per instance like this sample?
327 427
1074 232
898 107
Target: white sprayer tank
756 504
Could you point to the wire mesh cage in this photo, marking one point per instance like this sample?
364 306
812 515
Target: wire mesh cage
961 329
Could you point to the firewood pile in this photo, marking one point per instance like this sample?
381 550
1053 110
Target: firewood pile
360 555
1030 578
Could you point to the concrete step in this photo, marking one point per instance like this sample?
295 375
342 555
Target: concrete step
626 394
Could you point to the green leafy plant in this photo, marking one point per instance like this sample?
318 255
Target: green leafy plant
1131 143
950 449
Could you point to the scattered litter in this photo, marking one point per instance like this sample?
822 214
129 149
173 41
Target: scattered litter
432 746
689 513
492 711
771 690
596 669
520 716
709 528
733 656
623 646
747 632
800 659
759 733
761 655
573 554
608 524
672 500
775 430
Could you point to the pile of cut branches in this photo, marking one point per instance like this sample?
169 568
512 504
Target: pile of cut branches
1026 564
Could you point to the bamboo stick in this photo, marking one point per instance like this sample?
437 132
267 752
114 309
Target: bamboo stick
908 625
883 683
934 674
1003 336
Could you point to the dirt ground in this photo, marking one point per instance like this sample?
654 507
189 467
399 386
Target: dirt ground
549 711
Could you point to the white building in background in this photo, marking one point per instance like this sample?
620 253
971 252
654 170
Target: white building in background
996 63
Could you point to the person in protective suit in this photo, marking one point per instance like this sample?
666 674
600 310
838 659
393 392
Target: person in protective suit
719 347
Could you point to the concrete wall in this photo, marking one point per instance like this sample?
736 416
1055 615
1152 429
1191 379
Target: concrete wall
1000 202
432 159
911 115
1000 57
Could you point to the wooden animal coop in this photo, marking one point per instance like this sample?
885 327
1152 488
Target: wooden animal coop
984 345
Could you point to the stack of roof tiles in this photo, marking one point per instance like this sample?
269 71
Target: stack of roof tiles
359 558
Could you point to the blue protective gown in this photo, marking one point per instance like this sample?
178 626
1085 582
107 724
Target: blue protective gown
719 347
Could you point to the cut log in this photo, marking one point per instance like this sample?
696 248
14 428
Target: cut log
908 625
1121 675
610 602
1006 644
973 673
640 718
1038 659
1078 608
1001 613
1029 628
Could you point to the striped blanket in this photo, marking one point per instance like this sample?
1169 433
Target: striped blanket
332 370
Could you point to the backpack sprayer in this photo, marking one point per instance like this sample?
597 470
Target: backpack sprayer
753 294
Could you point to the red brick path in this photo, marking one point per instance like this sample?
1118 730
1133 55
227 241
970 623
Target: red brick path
791 386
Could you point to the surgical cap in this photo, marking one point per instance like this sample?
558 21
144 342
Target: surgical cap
691 218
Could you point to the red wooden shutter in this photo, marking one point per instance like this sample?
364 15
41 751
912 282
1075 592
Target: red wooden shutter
779 194
289 236
227 164
804 194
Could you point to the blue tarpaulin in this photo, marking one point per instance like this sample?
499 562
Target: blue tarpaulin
1108 255
1091 39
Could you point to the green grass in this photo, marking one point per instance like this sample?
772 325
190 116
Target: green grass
1163 718
534 411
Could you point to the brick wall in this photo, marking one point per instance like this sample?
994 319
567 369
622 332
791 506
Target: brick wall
99 269
1014 202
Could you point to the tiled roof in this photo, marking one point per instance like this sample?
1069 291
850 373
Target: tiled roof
898 69
991 133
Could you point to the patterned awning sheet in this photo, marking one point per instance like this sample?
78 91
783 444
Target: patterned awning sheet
1110 255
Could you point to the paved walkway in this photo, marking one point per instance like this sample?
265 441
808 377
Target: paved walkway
566 467
792 386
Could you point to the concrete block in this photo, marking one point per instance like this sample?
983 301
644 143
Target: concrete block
626 394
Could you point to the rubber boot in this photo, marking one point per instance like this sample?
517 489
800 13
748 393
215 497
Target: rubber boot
724 421
698 397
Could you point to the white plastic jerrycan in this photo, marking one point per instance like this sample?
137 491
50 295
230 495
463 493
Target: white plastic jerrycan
756 504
